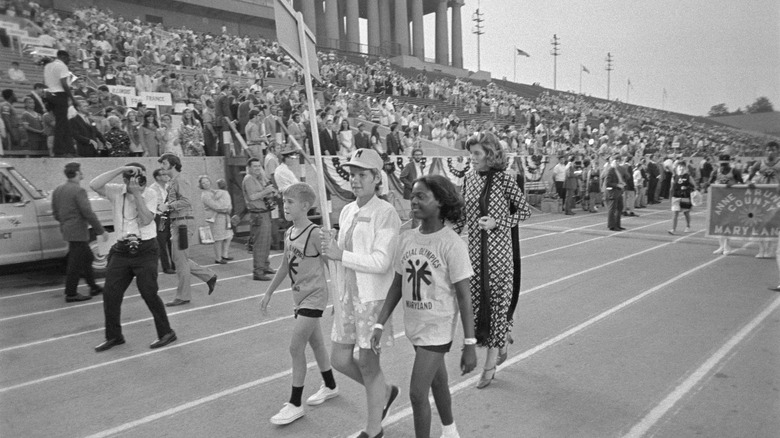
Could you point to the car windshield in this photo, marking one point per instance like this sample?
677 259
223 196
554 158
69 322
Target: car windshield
34 191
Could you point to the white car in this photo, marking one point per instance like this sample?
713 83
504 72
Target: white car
28 230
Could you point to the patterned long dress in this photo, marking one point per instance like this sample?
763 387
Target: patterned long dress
505 192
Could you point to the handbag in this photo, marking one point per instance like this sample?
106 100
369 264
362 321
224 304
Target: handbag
205 235
696 198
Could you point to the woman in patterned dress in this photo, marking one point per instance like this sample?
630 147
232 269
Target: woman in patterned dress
191 135
494 205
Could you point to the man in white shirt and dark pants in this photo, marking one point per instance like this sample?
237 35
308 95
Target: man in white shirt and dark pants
56 77
134 254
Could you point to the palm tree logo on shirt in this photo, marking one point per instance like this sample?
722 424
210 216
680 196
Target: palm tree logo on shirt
417 275
292 268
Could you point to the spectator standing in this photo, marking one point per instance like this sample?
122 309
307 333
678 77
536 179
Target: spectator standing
375 140
284 175
33 125
629 192
559 178
56 78
168 137
162 221
222 111
37 96
148 134
653 176
615 183
362 140
117 138
191 135
180 212
218 206
16 137
133 255
393 141
329 143
48 129
346 139
570 184
132 126
210 131
256 140
71 208
88 139
259 196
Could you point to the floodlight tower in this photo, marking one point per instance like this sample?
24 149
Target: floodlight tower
554 52
478 30
609 70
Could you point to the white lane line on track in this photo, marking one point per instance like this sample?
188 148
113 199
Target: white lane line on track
62 289
454 389
189 405
641 428
125 324
124 359
406 412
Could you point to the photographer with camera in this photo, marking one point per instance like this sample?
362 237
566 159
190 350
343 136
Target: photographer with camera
134 254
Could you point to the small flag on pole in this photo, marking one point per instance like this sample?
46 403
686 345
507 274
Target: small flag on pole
629 83
522 53
585 69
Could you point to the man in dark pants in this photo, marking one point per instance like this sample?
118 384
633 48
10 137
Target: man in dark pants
259 196
653 175
162 221
70 206
133 255
615 183
56 76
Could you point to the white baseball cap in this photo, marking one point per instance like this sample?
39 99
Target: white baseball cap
365 159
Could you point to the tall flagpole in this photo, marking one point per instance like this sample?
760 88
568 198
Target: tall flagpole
515 77
580 79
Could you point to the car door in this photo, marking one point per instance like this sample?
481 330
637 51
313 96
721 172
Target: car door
19 237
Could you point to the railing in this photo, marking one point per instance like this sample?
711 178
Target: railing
387 49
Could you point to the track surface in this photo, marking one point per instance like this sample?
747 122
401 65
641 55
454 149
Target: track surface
628 334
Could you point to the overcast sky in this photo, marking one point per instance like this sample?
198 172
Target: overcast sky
704 52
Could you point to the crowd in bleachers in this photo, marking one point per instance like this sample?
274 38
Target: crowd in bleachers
194 67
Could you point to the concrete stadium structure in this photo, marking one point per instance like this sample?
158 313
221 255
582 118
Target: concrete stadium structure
395 27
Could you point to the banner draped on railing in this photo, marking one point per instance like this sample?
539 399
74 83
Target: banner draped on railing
453 168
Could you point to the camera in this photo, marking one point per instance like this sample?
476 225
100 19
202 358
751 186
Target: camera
133 243
139 177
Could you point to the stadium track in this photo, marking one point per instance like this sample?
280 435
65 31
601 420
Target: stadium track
636 333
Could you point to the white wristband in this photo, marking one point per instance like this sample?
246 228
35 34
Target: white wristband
470 341
379 326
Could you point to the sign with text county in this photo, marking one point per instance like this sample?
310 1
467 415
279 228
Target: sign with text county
739 211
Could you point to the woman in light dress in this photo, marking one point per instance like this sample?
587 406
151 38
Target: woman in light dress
218 207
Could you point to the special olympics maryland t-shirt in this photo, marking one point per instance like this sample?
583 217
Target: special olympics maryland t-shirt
430 265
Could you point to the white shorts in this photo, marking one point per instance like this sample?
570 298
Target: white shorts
676 204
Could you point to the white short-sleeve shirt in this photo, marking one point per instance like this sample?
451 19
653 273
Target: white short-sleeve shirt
430 265
53 73
126 220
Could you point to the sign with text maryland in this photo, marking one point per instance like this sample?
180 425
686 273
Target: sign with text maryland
740 211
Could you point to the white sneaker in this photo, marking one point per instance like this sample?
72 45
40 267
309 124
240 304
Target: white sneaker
687 230
450 431
288 414
323 394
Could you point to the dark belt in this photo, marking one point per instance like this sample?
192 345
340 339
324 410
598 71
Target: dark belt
181 218
259 211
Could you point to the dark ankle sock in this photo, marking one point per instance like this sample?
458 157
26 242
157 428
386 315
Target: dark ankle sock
327 376
295 396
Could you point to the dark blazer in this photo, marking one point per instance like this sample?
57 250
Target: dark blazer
221 110
329 144
393 143
83 132
613 189
408 176
361 141
71 209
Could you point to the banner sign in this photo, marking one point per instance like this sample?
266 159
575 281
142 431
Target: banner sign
17 33
741 212
44 51
31 41
121 90
9 25
155 99
133 101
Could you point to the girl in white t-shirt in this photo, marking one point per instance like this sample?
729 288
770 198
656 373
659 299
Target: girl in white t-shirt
432 274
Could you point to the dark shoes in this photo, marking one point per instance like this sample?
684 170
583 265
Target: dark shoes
227 259
169 271
220 262
77 297
363 434
269 271
211 284
261 278
165 340
97 290
177 302
109 344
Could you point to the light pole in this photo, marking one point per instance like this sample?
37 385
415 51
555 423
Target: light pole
478 26
554 52
609 70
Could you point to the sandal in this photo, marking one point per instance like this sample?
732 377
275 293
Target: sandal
486 378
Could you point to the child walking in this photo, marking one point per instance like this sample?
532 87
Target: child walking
303 263
432 274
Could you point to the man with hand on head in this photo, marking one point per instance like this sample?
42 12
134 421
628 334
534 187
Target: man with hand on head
71 208
179 211
133 255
